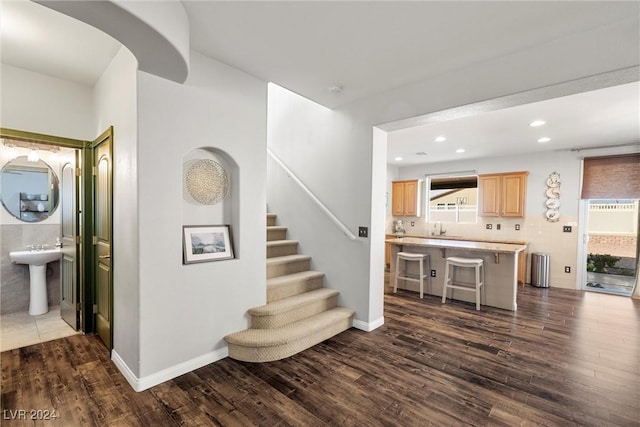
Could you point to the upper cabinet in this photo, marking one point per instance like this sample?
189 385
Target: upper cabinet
405 198
502 194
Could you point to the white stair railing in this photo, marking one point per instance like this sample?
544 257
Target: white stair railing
313 197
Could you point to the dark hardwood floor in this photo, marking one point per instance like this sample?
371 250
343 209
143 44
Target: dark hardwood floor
565 358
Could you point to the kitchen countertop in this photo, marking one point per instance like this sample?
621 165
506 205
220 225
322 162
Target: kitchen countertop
469 239
474 245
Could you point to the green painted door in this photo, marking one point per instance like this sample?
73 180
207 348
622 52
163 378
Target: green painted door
69 230
102 225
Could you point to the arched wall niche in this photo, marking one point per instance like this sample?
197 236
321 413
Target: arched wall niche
225 212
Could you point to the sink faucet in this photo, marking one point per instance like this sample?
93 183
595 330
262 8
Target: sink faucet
438 227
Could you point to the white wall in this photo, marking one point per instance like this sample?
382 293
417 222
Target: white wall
317 144
115 105
38 103
186 310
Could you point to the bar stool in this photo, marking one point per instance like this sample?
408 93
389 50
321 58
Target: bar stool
459 262
424 264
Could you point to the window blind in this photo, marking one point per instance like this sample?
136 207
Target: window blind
611 177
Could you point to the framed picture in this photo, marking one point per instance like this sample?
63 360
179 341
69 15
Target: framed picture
202 243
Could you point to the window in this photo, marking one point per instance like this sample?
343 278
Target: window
453 199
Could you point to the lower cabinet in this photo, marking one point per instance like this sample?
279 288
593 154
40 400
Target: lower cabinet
522 267
387 250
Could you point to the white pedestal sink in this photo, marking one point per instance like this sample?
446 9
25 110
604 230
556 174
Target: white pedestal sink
37 260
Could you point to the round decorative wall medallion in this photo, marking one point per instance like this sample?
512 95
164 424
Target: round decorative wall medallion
206 182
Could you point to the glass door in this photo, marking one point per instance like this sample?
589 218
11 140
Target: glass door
611 246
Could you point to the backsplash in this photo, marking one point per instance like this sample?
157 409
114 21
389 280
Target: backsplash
14 284
541 235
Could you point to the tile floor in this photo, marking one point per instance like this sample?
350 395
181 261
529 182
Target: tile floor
20 329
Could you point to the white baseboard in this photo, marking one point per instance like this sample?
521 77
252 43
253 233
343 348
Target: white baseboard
140 384
368 327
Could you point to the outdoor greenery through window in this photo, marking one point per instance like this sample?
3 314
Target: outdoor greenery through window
453 199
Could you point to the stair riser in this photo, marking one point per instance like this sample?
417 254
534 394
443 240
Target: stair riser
282 250
269 354
271 220
276 270
277 234
275 293
299 313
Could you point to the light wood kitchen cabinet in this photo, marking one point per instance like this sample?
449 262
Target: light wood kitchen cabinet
522 267
387 249
405 198
502 194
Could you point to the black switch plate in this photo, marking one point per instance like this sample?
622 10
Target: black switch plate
363 231
567 269
498 226
433 273
566 228
489 226
517 227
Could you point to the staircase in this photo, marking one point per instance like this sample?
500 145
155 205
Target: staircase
299 313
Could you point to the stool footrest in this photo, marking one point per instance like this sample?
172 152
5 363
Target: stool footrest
465 286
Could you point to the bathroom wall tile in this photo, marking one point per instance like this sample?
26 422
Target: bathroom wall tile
14 284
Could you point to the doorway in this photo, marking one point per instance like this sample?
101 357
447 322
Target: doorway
610 245
85 230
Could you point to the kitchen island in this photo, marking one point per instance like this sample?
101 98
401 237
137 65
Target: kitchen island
500 264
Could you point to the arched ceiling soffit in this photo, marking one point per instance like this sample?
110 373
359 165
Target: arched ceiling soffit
157 33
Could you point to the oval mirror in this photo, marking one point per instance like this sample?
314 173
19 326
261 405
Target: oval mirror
29 190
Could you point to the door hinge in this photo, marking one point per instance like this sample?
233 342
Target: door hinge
78 240
78 172
95 308
95 240
79 306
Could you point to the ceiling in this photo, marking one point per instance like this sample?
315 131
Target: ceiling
367 48
608 116
39 39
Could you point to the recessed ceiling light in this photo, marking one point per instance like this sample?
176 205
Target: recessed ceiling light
460 150
397 159
440 139
543 140
536 123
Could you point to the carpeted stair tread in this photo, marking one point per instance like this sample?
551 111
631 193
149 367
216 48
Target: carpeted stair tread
282 242
289 333
276 232
287 258
271 219
277 248
294 277
287 264
292 302
293 284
